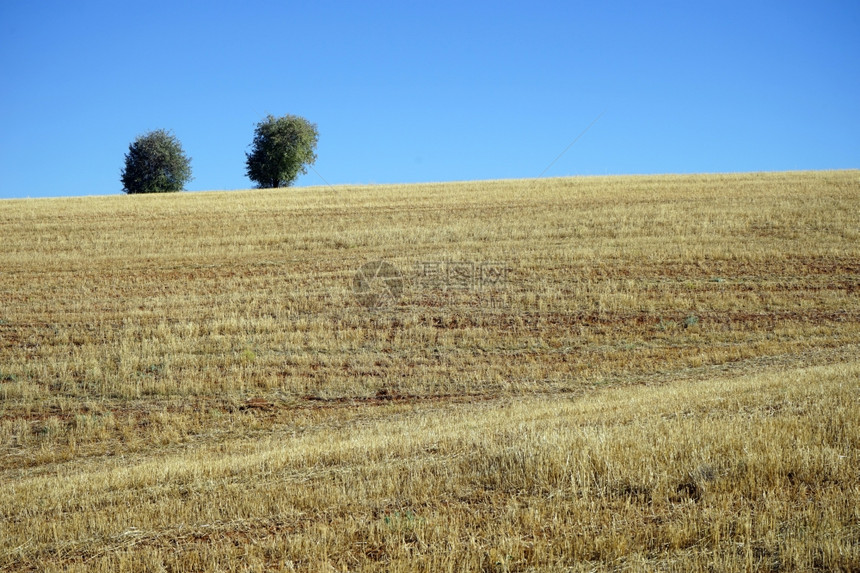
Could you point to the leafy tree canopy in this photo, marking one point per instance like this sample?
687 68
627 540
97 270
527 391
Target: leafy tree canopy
282 148
155 163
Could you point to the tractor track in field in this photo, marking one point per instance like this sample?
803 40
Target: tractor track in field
274 406
384 396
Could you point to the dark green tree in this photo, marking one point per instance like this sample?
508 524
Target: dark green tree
155 163
282 148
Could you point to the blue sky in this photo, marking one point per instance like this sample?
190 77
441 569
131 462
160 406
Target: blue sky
442 91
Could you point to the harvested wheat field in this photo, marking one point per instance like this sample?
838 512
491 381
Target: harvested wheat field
576 374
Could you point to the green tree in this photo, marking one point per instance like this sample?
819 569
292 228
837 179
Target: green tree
282 148
155 163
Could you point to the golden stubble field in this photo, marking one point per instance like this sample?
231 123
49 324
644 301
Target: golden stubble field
578 374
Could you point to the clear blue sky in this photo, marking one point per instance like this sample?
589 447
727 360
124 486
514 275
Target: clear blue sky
435 91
